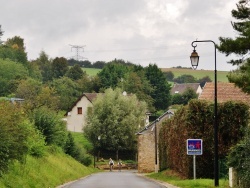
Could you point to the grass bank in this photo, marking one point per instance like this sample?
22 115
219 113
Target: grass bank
52 170
172 178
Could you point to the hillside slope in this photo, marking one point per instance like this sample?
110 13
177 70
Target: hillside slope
54 169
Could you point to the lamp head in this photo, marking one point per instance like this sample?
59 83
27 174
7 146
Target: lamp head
194 59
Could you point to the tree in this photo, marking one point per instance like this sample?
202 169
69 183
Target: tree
137 83
1 34
75 72
115 118
112 73
45 66
67 90
203 81
161 93
11 74
185 78
14 135
239 46
59 67
14 50
51 126
169 75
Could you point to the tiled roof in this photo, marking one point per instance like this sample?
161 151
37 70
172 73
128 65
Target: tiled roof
90 96
180 88
225 92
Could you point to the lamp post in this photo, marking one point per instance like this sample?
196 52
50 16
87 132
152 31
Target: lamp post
99 138
195 61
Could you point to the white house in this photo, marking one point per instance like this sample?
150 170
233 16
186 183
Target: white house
76 115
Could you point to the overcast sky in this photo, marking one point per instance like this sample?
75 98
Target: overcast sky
139 31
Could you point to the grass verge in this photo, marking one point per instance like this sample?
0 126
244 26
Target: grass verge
52 170
172 178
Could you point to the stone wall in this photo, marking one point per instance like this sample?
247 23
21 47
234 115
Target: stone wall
146 153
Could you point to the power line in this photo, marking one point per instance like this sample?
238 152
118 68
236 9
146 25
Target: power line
77 56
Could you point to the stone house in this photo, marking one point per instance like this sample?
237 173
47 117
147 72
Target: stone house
76 115
148 158
180 88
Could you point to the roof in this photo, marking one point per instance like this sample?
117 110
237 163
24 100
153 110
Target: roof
151 126
180 88
225 92
89 96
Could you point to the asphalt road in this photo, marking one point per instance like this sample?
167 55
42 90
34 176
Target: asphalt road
115 179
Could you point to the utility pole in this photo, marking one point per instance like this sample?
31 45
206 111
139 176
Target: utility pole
78 48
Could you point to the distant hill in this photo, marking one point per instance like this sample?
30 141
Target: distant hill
221 75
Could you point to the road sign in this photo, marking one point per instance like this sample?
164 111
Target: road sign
194 146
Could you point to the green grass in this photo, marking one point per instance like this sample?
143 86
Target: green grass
221 75
91 71
80 139
56 168
172 178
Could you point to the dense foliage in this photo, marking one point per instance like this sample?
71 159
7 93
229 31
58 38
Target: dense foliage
239 45
114 119
196 121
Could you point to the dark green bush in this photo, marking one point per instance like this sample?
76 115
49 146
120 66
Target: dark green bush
51 126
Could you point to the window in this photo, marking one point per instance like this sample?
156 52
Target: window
79 110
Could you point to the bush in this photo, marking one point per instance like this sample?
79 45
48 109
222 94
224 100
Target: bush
15 130
51 126
239 158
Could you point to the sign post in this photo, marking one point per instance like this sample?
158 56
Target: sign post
194 147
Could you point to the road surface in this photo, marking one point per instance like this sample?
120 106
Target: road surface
115 179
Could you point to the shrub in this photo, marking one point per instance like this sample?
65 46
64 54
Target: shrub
51 126
13 135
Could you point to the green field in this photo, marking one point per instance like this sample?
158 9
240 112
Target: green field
221 75
91 71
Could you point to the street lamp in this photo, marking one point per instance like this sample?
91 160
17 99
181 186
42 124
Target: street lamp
195 61
99 138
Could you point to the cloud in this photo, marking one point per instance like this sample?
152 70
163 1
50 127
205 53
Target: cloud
141 31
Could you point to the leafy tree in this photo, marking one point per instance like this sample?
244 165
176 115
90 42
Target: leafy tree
75 72
14 50
45 66
161 93
67 90
185 97
115 118
112 73
99 64
203 81
16 42
240 46
59 67
185 78
169 75
10 75
13 135
189 94
137 83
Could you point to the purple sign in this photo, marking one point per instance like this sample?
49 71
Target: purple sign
194 146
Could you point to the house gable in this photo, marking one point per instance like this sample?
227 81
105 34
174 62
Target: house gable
76 115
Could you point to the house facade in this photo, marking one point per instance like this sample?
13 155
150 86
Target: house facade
148 153
76 115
